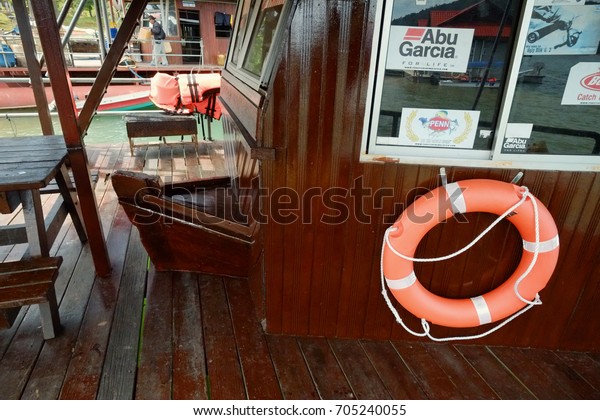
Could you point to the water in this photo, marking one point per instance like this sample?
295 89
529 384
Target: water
105 129
541 104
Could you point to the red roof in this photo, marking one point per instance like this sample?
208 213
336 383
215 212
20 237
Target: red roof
484 30
440 16
491 31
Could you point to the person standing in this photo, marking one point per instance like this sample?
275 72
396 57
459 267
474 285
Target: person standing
158 49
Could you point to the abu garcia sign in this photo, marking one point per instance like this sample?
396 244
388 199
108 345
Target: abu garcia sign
429 44
429 49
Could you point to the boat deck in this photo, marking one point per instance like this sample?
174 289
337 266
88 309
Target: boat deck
140 334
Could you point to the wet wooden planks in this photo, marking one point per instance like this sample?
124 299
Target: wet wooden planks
201 340
292 372
189 367
181 162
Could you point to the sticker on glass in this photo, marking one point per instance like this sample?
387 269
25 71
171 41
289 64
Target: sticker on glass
429 49
517 138
583 85
436 128
561 30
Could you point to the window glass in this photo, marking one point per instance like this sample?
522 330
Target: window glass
555 107
442 79
262 36
256 32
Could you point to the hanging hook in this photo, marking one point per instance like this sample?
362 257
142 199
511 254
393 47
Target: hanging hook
443 176
517 178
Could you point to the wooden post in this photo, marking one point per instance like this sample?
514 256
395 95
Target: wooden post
33 66
45 17
34 223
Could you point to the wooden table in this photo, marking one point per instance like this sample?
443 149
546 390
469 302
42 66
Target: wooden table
27 165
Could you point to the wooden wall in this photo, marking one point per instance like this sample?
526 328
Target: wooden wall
324 279
213 46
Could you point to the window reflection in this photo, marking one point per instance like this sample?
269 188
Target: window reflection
556 93
418 73
262 37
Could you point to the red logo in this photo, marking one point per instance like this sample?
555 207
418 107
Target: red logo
414 34
591 81
439 123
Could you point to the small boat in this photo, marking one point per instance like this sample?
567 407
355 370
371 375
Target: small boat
536 79
490 83
125 102
533 75
127 97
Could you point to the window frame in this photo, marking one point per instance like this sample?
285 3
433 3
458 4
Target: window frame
222 32
237 69
493 158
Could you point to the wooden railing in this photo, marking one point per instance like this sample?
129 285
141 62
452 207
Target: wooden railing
80 52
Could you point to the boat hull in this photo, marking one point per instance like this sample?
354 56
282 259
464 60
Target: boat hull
117 97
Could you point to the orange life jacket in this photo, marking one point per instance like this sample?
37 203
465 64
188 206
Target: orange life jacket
187 93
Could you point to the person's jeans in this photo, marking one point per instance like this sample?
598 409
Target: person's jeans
158 53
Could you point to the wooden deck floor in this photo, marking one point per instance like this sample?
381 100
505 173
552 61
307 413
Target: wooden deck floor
147 335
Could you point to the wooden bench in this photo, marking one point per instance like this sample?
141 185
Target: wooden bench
30 282
194 226
209 225
150 124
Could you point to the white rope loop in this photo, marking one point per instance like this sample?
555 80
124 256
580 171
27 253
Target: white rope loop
536 252
530 304
387 298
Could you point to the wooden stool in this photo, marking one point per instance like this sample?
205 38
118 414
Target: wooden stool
30 282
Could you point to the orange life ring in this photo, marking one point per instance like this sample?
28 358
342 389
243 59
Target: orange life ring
475 195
